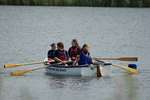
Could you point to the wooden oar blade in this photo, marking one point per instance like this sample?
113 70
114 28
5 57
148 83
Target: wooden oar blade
128 58
98 73
126 68
19 72
132 71
22 72
25 64
11 65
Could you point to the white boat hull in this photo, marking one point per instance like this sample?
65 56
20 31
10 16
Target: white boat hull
74 70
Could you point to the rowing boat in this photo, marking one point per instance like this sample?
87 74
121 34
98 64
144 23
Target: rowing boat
84 70
70 70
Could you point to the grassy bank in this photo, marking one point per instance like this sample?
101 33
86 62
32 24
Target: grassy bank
99 3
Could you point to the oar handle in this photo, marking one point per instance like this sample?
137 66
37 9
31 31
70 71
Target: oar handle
107 58
102 63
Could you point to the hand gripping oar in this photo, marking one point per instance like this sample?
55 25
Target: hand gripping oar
126 68
118 58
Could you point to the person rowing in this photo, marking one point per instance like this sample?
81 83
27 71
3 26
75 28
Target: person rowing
85 57
51 53
74 51
61 55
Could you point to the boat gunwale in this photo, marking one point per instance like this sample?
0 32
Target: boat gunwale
69 66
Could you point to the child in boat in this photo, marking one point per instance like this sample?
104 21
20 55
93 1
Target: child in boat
85 57
74 51
51 53
61 55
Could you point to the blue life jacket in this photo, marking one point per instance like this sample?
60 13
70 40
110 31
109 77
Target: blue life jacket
85 59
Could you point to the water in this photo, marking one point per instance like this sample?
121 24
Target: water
26 32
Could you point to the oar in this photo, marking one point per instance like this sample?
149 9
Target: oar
98 73
25 64
118 58
22 72
126 68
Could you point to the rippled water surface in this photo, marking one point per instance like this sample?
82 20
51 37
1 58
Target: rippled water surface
26 32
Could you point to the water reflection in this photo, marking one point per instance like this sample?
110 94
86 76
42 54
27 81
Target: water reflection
126 87
74 83
1 85
25 94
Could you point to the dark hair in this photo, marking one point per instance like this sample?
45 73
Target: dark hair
53 44
76 42
60 45
85 45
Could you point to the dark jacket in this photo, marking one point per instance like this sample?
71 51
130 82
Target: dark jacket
51 54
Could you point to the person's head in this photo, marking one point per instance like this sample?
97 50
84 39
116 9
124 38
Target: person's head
53 46
85 48
60 46
75 43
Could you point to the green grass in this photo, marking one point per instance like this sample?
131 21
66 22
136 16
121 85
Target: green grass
101 3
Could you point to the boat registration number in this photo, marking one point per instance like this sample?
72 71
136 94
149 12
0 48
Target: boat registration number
58 70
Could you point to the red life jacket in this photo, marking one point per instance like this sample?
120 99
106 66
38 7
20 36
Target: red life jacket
62 55
73 53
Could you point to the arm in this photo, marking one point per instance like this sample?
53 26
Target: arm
48 54
57 59
90 59
67 55
69 52
77 60
78 55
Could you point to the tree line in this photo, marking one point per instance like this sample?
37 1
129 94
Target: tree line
92 3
